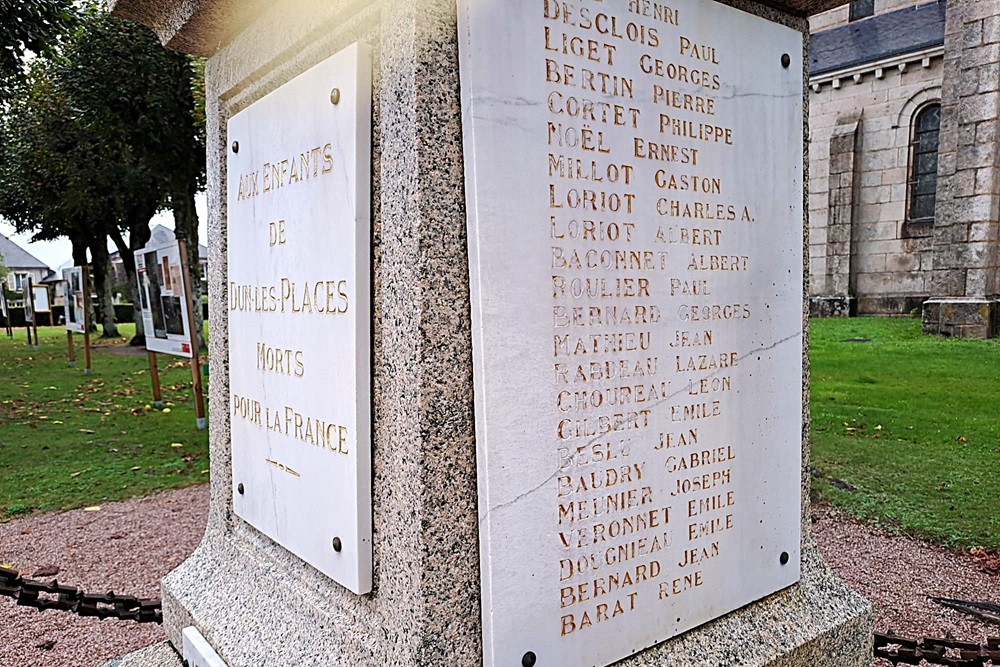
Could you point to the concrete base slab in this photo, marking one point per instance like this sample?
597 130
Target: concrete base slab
962 317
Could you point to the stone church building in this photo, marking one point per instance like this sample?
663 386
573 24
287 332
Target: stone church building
904 163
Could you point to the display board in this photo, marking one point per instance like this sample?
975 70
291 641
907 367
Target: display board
41 293
73 287
299 243
3 304
165 316
28 296
634 181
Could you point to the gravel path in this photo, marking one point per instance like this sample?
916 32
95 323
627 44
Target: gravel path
898 574
126 547
129 546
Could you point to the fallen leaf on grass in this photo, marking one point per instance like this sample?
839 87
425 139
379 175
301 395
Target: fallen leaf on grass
136 467
961 438
76 474
176 445
92 508
46 571
86 430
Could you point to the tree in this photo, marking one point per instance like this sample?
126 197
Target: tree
154 110
58 177
116 117
29 26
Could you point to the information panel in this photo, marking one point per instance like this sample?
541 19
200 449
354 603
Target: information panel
635 186
29 306
41 293
299 192
72 287
165 318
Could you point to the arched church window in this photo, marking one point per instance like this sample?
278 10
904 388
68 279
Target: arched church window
924 162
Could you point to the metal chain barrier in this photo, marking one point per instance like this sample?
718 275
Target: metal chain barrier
43 596
949 652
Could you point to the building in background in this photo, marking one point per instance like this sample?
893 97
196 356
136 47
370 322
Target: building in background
160 235
21 264
904 182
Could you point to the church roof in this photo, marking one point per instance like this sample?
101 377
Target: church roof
16 257
877 38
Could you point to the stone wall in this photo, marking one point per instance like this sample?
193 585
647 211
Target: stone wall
890 265
966 268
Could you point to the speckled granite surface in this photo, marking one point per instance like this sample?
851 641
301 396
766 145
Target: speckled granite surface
257 604
157 655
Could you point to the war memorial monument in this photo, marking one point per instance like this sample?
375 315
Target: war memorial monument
509 363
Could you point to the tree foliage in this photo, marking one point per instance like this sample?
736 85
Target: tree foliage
29 26
98 139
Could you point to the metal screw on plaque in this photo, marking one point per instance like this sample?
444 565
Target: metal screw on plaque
784 558
337 544
786 60
239 487
236 147
335 96
529 659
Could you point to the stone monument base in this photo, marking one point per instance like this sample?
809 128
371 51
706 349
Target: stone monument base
962 317
818 622
833 306
157 655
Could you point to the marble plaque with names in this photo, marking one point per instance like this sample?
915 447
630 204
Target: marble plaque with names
299 300
634 176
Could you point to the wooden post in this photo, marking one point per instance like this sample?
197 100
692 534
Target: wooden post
199 392
34 317
6 310
70 354
87 370
154 374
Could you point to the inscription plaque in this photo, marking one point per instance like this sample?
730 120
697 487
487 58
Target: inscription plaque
634 179
299 299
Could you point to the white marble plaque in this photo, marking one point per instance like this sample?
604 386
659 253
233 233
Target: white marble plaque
635 187
299 294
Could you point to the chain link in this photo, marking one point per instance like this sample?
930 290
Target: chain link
948 652
43 596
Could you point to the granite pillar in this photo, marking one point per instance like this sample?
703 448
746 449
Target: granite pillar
255 603
965 278
839 298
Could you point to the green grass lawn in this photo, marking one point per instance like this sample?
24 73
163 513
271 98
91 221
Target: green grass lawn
906 428
71 440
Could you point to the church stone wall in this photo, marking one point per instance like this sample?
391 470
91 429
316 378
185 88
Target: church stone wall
890 259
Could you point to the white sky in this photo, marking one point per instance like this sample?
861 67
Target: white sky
55 253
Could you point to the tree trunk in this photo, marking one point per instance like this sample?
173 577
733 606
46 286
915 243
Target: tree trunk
138 237
186 228
102 284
